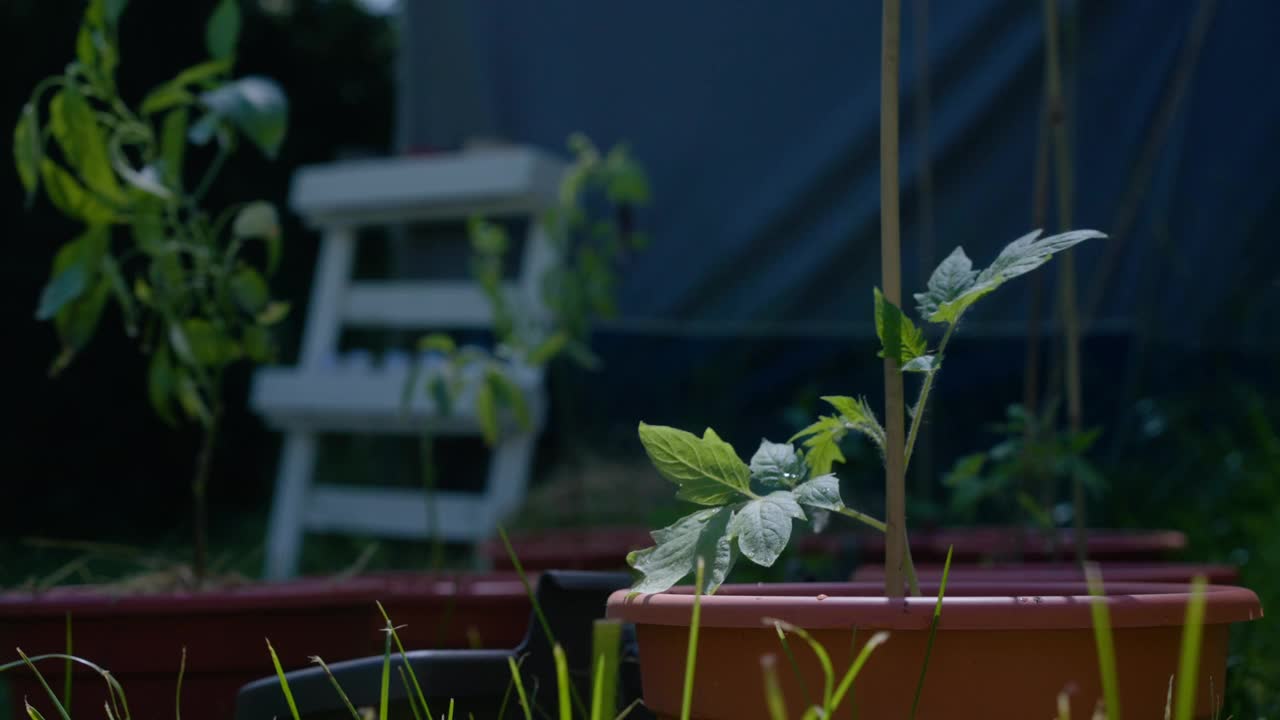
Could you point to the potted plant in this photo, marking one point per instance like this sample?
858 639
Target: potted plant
1000 649
186 284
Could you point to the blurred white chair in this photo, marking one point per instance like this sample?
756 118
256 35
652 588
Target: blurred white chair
349 393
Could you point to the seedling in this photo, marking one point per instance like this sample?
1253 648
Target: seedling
749 507
179 274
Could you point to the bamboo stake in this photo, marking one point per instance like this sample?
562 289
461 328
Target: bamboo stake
891 279
1066 266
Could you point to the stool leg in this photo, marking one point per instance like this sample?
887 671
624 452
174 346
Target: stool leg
293 483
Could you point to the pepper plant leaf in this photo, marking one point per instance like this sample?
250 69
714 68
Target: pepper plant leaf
28 150
706 469
763 526
777 465
702 534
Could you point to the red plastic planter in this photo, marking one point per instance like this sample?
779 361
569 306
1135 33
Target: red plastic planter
140 638
571 549
1067 572
1003 650
1005 544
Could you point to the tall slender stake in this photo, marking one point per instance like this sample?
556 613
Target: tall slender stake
891 279
1066 264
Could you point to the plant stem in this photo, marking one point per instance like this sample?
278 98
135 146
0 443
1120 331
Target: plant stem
923 401
891 279
199 491
1066 267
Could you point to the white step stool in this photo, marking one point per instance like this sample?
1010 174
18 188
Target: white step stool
328 393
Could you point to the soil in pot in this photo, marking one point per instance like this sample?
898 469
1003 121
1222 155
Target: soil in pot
140 637
1003 650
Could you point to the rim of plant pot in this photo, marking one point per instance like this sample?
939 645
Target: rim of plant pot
591 548
994 541
86 601
1153 572
968 605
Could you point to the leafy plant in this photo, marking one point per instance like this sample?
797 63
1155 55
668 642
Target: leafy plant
180 275
1025 470
749 508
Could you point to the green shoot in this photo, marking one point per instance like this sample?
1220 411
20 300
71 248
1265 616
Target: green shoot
627 710
828 670
32 713
1189 657
177 701
284 682
562 683
1103 639
450 711
597 690
846 683
933 632
519 683
1064 706
385 688
341 693
773 698
408 693
404 659
52 696
115 691
691 655
606 643
795 668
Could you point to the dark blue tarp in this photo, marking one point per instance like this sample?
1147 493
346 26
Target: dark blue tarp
758 122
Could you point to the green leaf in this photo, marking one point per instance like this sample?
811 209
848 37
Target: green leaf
763 526
124 298
249 290
261 221
223 30
255 105
777 465
437 342
274 312
706 469
509 395
177 91
487 413
923 364
161 382
822 439
895 329
858 415
75 265
822 492
1017 258
949 281
75 127
191 400
28 149
77 321
702 534
209 347
66 194
548 349
173 145
257 344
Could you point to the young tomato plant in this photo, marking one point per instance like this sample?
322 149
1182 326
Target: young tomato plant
749 507
178 273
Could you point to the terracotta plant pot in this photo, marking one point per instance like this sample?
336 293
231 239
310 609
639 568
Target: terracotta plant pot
1003 544
140 638
1003 650
571 549
1067 572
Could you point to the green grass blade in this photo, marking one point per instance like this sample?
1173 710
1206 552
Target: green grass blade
691 655
404 659
66 678
284 682
606 648
537 610
1189 657
933 632
1104 642
627 710
408 693
597 691
1064 706
32 713
385 690
828 670
115 691
846 683
795 668
52 695
562 683
773 697
177 699
519 683
334 681
450 709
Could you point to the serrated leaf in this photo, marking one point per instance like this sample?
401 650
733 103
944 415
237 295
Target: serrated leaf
702 534
949 280
763 526
249 290
28 150
1017 258
822 492
923 364
255 105
893 327
822 442
223 29
777 465
706 469
858 415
